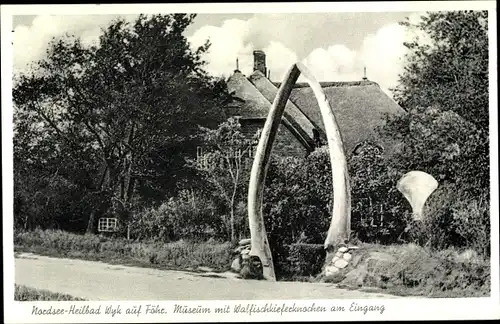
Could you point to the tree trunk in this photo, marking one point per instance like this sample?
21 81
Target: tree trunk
231 221
233 198
340 225
90 225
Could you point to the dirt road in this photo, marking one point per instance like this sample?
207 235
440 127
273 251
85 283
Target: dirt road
101 281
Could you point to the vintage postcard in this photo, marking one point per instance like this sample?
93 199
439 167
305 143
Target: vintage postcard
250 162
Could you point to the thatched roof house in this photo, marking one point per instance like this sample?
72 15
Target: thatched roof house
359 107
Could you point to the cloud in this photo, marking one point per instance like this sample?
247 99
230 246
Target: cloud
31 42
382 52
335 63
279 59
227 44
284 38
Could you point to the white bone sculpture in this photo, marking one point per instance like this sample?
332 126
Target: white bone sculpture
340 225
417 186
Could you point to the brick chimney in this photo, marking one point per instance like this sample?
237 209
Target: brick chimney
259 61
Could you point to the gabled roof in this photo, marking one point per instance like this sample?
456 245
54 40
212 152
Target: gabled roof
359 106
293 115
251 103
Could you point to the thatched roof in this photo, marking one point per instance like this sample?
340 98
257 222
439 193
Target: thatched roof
250 102
359 106
293 115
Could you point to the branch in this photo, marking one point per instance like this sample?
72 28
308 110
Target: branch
52 124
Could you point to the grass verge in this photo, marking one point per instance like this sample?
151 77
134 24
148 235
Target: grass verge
405 270
412 270
23 293
179 255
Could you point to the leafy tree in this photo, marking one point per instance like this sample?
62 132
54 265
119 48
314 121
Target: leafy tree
108 118
444 88
225 163
445 132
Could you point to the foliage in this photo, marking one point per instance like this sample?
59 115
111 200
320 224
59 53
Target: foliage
186 216
297 203
297 199
444 88
378 208
445 132
442 144
306 259
225 164
448 66
454 218
23 293
113 119
174 255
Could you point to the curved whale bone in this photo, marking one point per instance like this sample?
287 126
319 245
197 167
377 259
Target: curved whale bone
340 225
417 186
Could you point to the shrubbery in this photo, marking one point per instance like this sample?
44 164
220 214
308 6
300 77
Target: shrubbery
306 259
298 202
189 215
177 255
298 199
454 219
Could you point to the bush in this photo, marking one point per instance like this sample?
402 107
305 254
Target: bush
186 216
379 210
297 200
454 219
306 259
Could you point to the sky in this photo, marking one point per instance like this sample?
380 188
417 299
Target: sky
334 46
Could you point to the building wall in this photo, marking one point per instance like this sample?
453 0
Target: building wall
285 144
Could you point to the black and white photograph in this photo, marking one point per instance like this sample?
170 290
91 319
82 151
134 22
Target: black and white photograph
249 162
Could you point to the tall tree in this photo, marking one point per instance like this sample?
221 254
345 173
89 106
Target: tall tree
109 114
444 87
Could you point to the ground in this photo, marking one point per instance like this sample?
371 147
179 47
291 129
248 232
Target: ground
100 281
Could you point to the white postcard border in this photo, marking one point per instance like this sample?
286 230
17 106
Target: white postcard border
395 309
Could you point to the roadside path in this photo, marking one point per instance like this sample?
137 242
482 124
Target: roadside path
100 281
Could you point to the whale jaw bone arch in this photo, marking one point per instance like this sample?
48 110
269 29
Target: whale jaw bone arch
340 225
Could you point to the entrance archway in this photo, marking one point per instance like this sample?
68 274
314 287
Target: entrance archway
340 225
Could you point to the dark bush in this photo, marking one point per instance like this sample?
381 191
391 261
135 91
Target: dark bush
379 210
306 259
189 215
454 218
297 201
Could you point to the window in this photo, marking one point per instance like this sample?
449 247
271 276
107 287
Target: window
207 161
201 157
108 225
